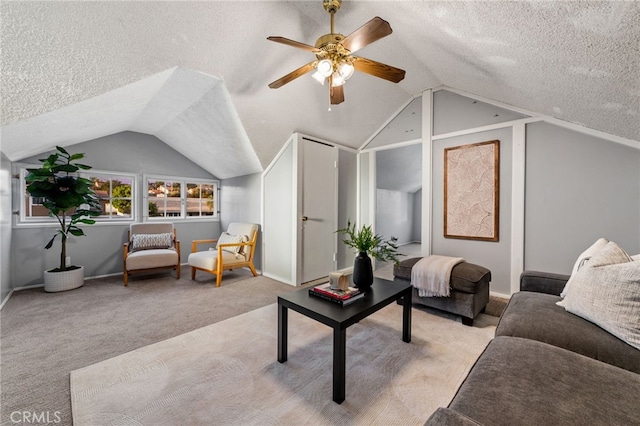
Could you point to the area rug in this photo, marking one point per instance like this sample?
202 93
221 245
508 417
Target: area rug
227 373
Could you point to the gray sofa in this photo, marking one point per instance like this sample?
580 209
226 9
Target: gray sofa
547 366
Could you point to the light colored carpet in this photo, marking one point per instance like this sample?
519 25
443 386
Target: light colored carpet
227 373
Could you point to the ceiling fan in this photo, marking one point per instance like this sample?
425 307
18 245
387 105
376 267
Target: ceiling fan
334 55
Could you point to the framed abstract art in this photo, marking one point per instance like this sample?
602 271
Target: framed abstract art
471 191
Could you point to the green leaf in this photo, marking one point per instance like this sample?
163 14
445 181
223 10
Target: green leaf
68 168
76 232
51 160
87 221
62 150
76 156
50 243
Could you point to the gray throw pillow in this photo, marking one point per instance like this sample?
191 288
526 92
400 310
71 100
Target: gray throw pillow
151 241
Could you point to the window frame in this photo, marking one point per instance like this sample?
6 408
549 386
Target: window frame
24 220
184 182
134 190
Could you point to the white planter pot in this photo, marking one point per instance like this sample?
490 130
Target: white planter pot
61 281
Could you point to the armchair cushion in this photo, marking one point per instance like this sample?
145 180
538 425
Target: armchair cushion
149 259
151 241
209 259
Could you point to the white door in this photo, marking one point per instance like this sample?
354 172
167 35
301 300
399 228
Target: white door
318 210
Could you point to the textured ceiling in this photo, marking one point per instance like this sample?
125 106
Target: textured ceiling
578 61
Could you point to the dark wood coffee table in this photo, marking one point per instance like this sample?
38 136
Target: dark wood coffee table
382 293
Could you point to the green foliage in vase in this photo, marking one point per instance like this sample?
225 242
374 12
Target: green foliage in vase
68 196
364 240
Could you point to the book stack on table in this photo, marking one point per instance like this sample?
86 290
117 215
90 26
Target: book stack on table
341 297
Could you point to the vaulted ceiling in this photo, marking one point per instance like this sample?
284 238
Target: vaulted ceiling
195 74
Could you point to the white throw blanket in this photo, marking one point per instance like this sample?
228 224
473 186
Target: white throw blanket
431 275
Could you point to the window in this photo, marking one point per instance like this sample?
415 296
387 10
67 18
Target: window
115 194
181 198
200 199
114 190
164 197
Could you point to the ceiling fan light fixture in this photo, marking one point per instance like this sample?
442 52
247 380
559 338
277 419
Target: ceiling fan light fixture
334 60
346 70
324 68
343 72
318 77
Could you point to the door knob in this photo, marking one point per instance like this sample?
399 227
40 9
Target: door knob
304 218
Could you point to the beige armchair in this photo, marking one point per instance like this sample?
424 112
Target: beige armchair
150 247
235 249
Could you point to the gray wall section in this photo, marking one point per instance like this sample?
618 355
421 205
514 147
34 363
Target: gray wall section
133 152
452 112
347 201
417 217
578 188
100 251
5 227
495 256
240 198
395 215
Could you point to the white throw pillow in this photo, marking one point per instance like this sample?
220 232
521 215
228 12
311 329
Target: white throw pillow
582 260
606 292
636 257
226 238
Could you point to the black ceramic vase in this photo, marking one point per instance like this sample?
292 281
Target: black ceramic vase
362 271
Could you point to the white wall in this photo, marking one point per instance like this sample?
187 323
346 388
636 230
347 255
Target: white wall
278 216
5 227
240 200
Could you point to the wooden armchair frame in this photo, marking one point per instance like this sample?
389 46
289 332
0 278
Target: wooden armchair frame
224 266
125 254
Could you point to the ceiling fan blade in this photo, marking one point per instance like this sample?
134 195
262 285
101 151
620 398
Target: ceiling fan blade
293 43
378 69
373 30
292 75
336 94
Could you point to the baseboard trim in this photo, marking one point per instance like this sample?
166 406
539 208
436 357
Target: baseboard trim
6 299
500 295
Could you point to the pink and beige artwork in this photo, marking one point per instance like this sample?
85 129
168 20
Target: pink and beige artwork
471 178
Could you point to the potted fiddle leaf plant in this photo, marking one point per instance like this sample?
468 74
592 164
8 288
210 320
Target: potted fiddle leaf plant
367 243
71 201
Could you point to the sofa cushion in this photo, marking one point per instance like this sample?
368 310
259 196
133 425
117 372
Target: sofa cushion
448 417
536 316
465 277
607 292
520 381
151 241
